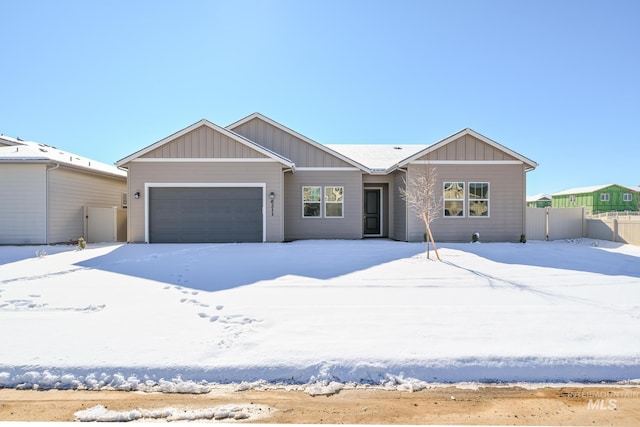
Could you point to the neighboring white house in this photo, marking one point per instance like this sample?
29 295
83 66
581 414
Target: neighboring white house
45 194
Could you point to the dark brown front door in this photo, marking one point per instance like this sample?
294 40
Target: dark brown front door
372 223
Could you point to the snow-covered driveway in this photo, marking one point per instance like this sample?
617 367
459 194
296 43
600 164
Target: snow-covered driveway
135 316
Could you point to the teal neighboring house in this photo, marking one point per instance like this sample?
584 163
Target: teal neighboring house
539 201
598 199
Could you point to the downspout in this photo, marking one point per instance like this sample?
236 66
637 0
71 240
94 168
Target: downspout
406 210
46 202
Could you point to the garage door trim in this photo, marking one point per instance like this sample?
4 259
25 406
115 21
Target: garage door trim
149 185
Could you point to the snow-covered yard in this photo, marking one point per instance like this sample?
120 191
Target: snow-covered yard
177 317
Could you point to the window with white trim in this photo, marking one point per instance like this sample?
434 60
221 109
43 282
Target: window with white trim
605 197
572 199
478 199
311 202
453 199
334 202
627 197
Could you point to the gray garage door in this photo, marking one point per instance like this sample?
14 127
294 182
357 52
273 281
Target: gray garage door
205 215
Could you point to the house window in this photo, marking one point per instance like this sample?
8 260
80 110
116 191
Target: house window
333 202
311 201
478 199
453 199
604 197
572 199
627 197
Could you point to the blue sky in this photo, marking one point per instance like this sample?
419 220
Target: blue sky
556 81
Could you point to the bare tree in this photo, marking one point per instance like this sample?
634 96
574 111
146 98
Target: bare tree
420 194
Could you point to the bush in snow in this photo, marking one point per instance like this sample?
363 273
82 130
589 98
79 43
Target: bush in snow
475 237
523 238
41 253
82 244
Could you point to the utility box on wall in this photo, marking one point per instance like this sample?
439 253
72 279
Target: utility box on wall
105 225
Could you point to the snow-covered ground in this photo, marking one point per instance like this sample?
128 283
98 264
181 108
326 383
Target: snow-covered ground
177 318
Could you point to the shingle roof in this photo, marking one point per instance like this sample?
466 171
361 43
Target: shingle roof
377 157
29 151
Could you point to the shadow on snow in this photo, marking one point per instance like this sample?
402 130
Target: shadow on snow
566 255
215 267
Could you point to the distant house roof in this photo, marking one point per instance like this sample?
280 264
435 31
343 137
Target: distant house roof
590 189
19 151
539 197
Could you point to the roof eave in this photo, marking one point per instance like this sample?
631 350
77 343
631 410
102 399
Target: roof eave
204 122
468 131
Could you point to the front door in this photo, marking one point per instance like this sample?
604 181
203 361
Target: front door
372 212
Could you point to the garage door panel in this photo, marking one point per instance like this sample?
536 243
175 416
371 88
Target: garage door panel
207 214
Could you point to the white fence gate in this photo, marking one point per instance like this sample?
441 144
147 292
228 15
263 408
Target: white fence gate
555 223
105 224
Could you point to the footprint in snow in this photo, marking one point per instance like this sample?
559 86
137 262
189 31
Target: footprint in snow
194 292
203 315
219 307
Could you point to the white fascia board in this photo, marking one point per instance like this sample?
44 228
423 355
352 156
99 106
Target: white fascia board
466 162
329 169
204 160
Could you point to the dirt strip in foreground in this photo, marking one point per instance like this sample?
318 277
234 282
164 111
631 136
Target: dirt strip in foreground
440 405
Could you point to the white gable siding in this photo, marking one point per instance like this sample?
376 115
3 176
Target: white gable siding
69 192
22 204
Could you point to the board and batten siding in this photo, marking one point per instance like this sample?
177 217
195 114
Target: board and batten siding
268 173
349 227
506 220
204 142
295 149
23 204
399 208
69 191
468 147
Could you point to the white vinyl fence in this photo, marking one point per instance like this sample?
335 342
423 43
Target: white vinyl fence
621 230
555 223
571 223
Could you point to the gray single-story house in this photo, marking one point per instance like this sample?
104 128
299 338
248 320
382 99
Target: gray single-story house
256 180
46 194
